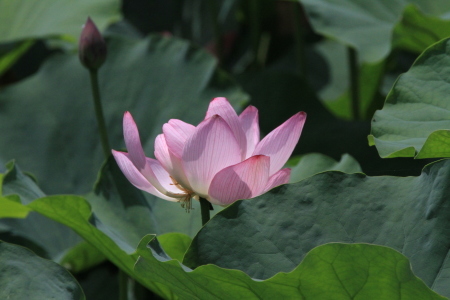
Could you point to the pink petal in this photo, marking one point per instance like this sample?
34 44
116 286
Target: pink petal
171 163
135 177
244 180
220 106
162 153
249 123
210 149
280 143
132 141
176 133
279 178
160 179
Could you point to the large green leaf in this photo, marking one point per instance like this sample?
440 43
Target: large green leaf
310 164
23 19
12 208
44 236
332 271
274 231
175 244
119 218
48 121
315 274
415 120
18 183
75 212
24 275
119 210
11 205
367 26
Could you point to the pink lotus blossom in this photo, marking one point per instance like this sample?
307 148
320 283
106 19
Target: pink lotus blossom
221 160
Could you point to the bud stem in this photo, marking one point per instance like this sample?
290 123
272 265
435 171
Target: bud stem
99 113
299 40
218 39
123 285
205 206
354 82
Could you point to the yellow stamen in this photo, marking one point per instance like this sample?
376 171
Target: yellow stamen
186 199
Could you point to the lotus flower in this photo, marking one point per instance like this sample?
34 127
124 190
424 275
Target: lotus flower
221 160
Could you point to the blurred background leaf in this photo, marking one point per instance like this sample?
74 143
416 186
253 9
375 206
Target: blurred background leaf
417 30
10 53
156 79
369 26
278 94
304 166
388 26
58 24
22 19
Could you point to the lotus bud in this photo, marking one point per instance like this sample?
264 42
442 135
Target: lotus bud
92 46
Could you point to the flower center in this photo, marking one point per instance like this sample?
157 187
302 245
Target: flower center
186 197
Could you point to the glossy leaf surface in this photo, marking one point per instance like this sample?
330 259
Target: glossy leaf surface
410 214
415 120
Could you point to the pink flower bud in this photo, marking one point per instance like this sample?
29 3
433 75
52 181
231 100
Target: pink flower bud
92 46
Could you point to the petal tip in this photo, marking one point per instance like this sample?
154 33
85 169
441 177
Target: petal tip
301 114
219 99
118 154
128 119
115 152
249 110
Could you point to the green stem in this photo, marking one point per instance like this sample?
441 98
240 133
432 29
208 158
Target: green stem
99 113
123 285
354 82
205 206
299 40
213 14
255 28
138 289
